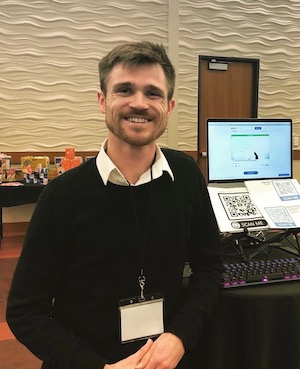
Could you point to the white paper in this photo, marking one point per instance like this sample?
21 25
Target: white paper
235 210
278 201
142 320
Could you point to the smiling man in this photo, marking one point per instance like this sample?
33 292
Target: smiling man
99 281
137 108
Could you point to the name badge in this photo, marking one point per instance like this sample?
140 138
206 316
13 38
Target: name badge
141 318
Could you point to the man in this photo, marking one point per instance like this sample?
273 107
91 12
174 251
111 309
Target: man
99 281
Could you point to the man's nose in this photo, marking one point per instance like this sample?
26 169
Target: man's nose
139 101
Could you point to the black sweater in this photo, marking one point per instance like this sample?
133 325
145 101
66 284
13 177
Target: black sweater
81 255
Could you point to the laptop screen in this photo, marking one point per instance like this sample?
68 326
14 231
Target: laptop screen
247 149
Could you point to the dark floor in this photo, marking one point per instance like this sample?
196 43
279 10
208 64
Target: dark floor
13 355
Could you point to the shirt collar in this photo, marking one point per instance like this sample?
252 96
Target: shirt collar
109 172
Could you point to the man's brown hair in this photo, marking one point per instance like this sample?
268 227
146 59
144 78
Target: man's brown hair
132 54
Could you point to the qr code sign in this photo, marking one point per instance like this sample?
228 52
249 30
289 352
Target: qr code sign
286 190
239 206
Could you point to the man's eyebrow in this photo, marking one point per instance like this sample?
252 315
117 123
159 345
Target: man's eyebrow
154 87
122 85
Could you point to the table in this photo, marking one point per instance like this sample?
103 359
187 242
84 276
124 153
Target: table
18 195
253 328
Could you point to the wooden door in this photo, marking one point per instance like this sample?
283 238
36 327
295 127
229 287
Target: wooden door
227 88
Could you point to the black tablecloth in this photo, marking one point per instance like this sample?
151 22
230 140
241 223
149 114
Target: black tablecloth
19 195
254 327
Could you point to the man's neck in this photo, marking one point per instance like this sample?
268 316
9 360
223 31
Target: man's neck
132 161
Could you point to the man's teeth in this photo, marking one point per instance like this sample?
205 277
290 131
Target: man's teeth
138 120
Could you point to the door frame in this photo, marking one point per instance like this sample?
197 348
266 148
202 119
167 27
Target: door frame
222 61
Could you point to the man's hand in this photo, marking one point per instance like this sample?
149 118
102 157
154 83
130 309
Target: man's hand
133 360
165 353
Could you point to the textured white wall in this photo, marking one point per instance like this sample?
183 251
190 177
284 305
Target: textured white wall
48 66
50 50
260 29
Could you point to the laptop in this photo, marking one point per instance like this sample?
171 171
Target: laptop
246 149
240 150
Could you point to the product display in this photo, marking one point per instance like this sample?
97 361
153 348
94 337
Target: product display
37 169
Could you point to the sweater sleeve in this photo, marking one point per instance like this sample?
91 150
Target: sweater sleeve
33 288
205 282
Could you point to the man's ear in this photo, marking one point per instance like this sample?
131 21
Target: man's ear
171 106
101 100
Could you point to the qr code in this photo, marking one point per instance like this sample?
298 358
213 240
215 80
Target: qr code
239 206
279 214
284 188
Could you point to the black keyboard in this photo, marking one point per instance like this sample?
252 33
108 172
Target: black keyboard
261 272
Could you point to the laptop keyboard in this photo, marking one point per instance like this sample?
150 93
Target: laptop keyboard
261 272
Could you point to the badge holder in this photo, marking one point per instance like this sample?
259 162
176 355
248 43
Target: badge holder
141 317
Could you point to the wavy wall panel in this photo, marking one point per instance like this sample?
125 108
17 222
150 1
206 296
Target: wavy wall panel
50 50
48 67
265 30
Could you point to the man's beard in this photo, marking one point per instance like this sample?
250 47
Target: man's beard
137 141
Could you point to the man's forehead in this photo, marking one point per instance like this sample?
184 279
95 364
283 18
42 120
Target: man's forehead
153 73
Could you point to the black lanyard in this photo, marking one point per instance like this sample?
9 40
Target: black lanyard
142 238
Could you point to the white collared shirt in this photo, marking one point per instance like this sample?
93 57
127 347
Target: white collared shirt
109 172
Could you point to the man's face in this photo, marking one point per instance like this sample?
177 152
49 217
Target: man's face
136 103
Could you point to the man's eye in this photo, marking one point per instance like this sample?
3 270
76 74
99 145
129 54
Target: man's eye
124 91
154 94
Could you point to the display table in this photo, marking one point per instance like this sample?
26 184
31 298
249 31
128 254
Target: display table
18 195
254 328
